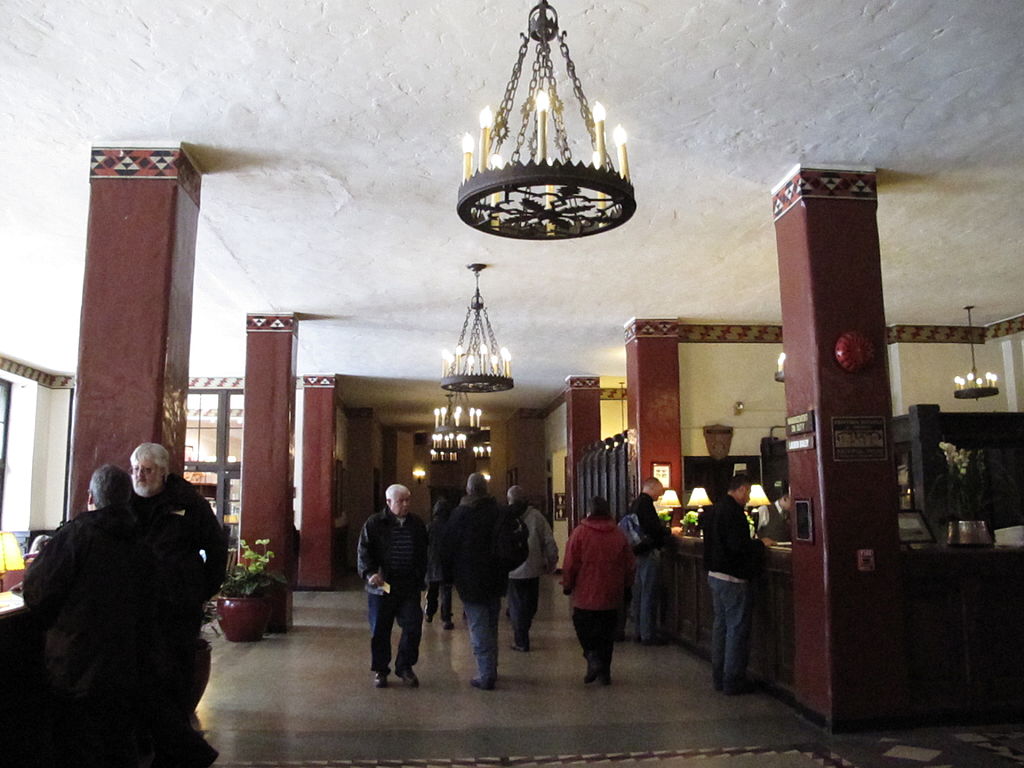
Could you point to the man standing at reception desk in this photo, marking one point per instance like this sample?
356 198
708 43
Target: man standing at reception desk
731 559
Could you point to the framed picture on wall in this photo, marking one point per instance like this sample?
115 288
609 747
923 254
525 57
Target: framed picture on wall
662 472
559 511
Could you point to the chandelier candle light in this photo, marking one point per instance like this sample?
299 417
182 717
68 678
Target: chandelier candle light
479 364
540 198
972 386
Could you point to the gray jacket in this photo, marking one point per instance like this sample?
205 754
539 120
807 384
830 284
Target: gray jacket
543 555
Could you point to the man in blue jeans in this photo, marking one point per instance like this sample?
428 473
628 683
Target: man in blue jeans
392 559
732 558
653 536
468 561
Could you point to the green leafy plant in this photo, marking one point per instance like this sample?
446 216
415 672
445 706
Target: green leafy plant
691 518
250 577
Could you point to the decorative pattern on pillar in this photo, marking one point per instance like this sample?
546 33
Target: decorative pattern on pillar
133 348
267 487
583 425
846 580
652 398
319 479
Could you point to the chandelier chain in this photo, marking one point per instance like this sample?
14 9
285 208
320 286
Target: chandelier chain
505 108
525 110
577 89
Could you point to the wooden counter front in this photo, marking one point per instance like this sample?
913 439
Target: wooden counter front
686 615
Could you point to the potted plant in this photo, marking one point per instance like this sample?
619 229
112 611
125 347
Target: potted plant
966 486
243 607
691 523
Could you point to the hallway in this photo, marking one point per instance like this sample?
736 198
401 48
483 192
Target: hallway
306 699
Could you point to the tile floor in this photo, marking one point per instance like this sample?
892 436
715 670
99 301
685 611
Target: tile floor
306 699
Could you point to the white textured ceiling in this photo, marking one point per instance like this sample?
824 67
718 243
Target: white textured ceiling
329 137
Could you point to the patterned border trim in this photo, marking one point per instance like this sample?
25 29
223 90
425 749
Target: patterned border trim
739 334
319 381
651 329
613 393
823 183
217 382
147 163
1005 327
582 382
816 752
42 378
933 334
270 323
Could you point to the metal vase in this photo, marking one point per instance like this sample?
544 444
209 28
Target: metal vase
968 533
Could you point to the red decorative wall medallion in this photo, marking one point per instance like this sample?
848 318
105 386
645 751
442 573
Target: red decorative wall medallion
854 351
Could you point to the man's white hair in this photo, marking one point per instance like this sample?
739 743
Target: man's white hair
153 452
394 490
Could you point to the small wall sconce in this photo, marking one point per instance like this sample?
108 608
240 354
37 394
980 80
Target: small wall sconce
738 407
419 473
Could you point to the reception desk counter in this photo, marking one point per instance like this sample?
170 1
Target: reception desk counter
963 623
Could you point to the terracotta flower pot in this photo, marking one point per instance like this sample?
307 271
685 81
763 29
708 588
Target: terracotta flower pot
243 619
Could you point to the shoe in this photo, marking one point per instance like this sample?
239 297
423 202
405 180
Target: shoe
520 648
482 684
408 677
593 670
449 625
739 688
380 680
429 617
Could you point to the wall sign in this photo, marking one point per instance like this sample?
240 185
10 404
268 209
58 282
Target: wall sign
800 424
662 472
859 438
801 443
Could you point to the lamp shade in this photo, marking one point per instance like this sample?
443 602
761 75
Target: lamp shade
10 553
669 499
698 498
758 498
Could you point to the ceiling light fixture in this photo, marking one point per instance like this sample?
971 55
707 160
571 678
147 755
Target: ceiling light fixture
478 364
972 386
544 196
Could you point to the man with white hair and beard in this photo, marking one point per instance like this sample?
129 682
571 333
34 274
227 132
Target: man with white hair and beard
191 556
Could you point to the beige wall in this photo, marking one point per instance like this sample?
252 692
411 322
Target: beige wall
713 378
923 373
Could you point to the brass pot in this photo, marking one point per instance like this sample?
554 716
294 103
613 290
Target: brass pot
968 533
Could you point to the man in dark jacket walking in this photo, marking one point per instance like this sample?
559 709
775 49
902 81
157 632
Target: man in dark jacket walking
392 560
90 587
469 562
732 558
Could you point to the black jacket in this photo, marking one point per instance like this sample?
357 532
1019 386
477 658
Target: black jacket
467 553
652 529
728 547
177 523
91 589
374 550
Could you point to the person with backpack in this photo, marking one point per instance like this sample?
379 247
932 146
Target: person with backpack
653 536
524 581
598 568
474 559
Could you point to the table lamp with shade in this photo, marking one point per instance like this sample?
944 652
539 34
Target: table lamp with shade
11 558
696 503
758 498
669 501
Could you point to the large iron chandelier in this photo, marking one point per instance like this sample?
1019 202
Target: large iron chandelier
972 386
544 196
478 364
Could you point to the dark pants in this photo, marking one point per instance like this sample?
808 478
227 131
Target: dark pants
730 636
95 733
522 607
596 633
435 590
384 611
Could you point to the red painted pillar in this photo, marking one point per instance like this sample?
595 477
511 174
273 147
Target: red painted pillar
846 581
267 441
319 441
136 309
583 425
652 398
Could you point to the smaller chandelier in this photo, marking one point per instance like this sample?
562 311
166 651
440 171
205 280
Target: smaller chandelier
972 386
443 457
457 416
544 196
482 451
478 364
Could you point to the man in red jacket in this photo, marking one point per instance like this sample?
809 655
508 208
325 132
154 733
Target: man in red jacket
597 569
